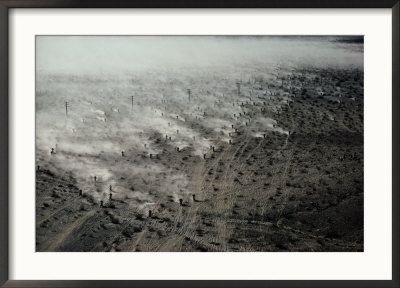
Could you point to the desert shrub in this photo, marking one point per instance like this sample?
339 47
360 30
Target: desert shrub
332 234
161 233
54 194
115 220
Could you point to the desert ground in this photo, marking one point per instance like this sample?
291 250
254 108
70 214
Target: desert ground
262 159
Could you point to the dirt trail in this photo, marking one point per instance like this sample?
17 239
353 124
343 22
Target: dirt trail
67 231
50 215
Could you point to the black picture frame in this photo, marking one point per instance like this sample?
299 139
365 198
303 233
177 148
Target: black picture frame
5 5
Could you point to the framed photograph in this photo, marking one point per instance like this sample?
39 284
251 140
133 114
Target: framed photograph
224 144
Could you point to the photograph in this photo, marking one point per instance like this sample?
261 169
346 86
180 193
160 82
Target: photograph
199 143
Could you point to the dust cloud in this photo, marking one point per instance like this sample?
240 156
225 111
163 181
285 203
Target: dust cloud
110 106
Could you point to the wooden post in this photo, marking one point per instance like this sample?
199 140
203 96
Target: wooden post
66 109
238 88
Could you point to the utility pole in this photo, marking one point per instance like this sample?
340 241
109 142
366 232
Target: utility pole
238 88
66 108
132 104
188 91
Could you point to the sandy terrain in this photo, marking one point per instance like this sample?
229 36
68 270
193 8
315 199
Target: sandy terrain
291 179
